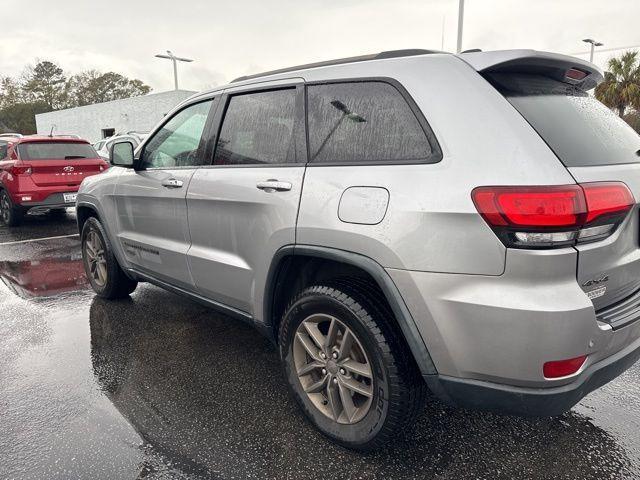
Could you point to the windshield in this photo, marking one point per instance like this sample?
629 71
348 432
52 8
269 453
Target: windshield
56 151
578 128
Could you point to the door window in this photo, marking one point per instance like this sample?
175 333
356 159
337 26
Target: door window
258 128
364 122
3 149
177 143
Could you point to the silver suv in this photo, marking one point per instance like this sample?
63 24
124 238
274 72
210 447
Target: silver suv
400 223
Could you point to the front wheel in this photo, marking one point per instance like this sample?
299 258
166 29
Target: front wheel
347 365
106 277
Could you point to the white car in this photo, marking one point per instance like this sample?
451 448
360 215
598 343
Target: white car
103 146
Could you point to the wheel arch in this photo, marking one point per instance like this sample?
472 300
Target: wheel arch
292 268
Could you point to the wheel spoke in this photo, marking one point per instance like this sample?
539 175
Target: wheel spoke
358 368
333 396
315 334
308 368
332 334
357 387
306 342
347 343
317 386
102 272
347 402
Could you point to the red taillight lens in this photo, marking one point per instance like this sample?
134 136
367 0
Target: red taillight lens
21 170
562 368
575 74
606 198
553 216
531 206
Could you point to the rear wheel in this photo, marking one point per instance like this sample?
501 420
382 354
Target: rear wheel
103 271
10 215
347 366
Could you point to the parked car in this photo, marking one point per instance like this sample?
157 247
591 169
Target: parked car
39 173
397 223
103 146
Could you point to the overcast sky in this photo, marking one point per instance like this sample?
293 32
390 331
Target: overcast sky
236 37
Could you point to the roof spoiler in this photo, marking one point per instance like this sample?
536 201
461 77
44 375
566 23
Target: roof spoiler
552 65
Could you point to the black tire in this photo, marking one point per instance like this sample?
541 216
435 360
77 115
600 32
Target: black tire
10 215
399 390
117 284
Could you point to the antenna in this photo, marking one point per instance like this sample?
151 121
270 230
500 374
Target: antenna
53 125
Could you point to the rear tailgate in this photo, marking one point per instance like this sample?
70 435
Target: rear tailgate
595 145
59 163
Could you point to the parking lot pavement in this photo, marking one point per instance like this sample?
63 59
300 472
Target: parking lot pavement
157 386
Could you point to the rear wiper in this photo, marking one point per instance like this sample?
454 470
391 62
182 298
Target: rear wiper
71 157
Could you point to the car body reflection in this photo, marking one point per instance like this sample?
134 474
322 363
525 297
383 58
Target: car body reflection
208 393
44 277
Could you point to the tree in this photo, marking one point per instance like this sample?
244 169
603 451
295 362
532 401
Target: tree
91 87
21 117
45 83
9 92
621 87
633 119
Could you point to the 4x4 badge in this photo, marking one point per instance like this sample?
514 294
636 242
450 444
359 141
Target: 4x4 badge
596 281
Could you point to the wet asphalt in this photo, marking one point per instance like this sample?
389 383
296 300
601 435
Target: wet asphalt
158 386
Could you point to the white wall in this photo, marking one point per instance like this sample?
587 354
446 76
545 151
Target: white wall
137 113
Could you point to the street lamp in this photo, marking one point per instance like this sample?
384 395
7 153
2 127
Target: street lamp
175 60
460 22
594 44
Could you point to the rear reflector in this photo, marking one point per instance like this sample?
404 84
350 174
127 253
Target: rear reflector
553 216
562 368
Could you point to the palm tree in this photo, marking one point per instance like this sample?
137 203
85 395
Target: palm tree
621 87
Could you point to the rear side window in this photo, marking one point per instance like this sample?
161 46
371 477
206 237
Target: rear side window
258 128
578 128
55 151
364 122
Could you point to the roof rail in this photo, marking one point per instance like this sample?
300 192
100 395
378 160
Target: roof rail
362 58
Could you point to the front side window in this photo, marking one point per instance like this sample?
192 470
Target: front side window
56 151
258 128
363 122
177 143
3 149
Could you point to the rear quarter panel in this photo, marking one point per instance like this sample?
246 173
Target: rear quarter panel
431 223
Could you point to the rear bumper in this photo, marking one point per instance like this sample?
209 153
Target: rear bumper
55 200
538 402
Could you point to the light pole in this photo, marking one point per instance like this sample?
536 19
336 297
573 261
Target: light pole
460 23
175 61
594 44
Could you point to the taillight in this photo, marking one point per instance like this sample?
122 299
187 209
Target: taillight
562 368
20 170
553 216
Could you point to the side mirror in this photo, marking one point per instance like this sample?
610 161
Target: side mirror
121 154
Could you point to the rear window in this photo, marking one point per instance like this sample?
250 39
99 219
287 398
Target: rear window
3 149
578 128
56 151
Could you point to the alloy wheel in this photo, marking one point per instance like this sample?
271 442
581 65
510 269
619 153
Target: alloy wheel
333 368
95 258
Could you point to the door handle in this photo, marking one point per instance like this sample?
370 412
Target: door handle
273 185
172 183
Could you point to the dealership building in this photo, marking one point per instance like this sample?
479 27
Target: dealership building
102 120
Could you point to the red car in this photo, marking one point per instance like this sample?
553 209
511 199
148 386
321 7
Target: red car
39 173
